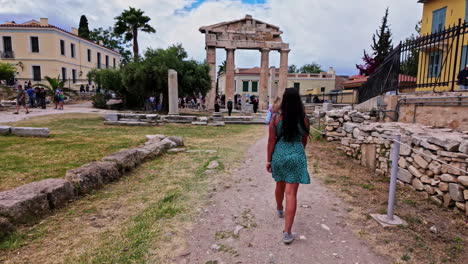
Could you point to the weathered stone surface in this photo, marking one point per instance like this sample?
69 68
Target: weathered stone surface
151 148
167 143
213 165
176 150
5 130
157 136
465 194
425 179
435 200
456 168
31 200
427 145
446 143
448 200
93 175
402 163
111 117
417 184
420 161
448 178
414 171
5 227
463 180
456 192
126 159
199 123
30 131
404 175
178 140
217 124
429 189
435 167
460 206
349 126
443 186
463 147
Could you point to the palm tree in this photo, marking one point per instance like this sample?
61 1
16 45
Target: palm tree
129 22
55 83
222 68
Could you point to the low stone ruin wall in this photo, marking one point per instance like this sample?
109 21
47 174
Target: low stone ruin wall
24 131
34 200
127 119
432 161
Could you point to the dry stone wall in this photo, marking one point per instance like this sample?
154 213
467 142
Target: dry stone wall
34 200
432 161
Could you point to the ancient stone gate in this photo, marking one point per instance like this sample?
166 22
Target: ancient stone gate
246 33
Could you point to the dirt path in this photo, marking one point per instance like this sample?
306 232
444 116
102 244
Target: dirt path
248 201
8 116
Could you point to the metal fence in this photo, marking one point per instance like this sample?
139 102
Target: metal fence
429 62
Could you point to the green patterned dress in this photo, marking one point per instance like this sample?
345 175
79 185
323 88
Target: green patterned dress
289 162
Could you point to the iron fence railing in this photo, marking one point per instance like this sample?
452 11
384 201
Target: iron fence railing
429 62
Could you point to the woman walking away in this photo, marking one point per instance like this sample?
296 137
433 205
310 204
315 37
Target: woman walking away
286 160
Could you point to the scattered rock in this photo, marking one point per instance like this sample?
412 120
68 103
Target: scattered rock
30 131
237 229
433 229
213 165
215 247
302 238
456 193
325 227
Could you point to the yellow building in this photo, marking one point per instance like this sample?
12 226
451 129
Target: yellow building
442 54
38 49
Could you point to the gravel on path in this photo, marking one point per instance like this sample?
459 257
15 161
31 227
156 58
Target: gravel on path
240 224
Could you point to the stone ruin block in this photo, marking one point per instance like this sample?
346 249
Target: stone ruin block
92 176
111 117
178 140
5 227
126 159
168 144
30 131
5 130
29 201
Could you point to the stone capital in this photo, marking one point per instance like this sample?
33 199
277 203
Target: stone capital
264 50
229 48
284 51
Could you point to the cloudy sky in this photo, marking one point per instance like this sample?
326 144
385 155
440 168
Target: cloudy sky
332 33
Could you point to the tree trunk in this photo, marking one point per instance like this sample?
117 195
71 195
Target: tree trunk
135 44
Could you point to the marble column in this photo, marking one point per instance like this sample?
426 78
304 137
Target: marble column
263 103
211 60
272 85
173 92
229 90
283 72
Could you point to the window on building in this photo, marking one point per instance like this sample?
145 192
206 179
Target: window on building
89 55
245 86
254 87
72 50
62 47
36 73
99 60
64 74
34 44
73 75
464 57
438 20
107 62
113 62
435 63
7 44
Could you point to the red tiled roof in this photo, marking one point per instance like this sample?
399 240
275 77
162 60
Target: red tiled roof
54 27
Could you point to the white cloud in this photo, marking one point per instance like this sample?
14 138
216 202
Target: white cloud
332 33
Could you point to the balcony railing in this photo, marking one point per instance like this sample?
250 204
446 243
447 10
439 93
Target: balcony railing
7 54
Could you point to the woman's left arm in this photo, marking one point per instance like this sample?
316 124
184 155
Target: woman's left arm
305 137
271 142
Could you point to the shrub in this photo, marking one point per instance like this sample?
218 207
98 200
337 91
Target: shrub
99 101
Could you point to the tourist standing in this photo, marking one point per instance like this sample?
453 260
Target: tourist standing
286 159
31 96
230 104
255 104
463 78
273 109
21 100
217 102
42 96
61 97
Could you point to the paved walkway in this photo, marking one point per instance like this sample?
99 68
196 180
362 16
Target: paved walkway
322 233
87 107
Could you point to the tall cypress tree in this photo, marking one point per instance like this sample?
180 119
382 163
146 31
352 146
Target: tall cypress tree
83 29
383 45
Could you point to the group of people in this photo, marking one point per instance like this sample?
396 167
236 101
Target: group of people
36 97
194 102
85 88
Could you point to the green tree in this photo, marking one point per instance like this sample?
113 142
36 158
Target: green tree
292 68
129 22
112 41
7 71
311 68
382 40
222 68
53 84
409 64
83 29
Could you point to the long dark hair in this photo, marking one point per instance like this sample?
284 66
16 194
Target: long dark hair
293 115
